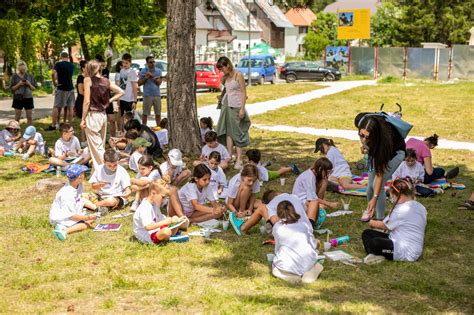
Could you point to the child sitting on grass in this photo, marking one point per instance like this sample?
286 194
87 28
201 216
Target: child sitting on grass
162 134
213 145
218 178
205 124
190 200
173 167
295 246
139 146
341 172
150 226
111 182
406 222
32 142
147 172
67 148
120 143
265 175
10 135
67 214
243 187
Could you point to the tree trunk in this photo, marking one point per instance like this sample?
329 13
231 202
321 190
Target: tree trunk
182 111
84 47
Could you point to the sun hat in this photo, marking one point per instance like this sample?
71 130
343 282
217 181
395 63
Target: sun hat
141 142
13 124
74 170
176 157
29 132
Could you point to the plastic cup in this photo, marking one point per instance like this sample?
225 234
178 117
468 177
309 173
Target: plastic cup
327 246
282 181
263 230
225 225
270 257
346 206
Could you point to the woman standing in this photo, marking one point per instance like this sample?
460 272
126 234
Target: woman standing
96 100
234 122
80 96
385 148
22 84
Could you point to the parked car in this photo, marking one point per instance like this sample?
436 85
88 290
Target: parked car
262 68
139 64
307 70
208 76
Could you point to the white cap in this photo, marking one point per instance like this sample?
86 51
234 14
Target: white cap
176 157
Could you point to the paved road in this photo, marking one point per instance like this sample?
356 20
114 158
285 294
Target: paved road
43 107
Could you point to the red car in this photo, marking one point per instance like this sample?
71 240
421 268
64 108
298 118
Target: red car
208 76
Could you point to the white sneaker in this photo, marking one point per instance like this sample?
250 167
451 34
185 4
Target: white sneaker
365 216
312 274
134 205
372 259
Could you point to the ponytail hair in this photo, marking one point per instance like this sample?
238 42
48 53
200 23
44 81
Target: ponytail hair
160 186
249 170
433 140
200 171
401 186
286 212
147 160
207 121
321 167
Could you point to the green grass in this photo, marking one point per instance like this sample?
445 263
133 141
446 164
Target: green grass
445 109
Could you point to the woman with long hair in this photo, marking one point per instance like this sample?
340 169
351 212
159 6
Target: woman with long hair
96 100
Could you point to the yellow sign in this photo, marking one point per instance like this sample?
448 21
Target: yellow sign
353 24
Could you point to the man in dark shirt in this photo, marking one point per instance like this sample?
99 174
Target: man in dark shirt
64 96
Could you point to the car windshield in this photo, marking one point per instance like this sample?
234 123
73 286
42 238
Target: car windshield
163 66
205 68
254 63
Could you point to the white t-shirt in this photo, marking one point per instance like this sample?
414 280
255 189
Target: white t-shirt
297 204
206 150
407 224
127 76
68 202
133 161
154 175
117 182
340 167
295 247
414 172
262 172
39 143
190 192
4 135
218 178
203 133
145 214
234 185
305 186
62 147
164 167
162 136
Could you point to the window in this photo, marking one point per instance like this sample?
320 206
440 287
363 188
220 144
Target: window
300 48
312 65
303 29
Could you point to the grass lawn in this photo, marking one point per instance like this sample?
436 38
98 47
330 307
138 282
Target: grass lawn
444 109
111 272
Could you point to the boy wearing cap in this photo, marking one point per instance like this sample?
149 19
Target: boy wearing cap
10 135
67 213
32 142
111 182
140 145
173 167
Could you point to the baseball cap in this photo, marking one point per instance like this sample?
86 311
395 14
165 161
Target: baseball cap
139 142
29 132
319 143
13 124
176 157
74 170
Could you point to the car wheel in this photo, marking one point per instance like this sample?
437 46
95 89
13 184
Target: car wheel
329 77
291 78
261 80
273 79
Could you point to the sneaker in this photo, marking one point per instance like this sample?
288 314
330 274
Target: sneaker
237 166
102 211
60 232
134 205
452 173
179 238
438 191
372 259
268 227
311 275
50 128
236 223
295 169
365 216
25 157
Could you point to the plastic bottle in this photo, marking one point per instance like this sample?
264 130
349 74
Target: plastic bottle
58 171
339 240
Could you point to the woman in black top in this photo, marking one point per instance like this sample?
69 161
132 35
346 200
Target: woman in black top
385 148
145 132
80 96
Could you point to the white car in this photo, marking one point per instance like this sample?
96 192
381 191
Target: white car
139 64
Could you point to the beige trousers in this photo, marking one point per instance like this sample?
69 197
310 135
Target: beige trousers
96 129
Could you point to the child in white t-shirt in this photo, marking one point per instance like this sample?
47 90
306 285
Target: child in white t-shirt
205 124
10 135
150 226
147 172
162 133
111 182
406 222
213 145
295 246
32 142
218 178
410 168
67 214
265 175
173 167
139 144
68 149
311 186
341 172
241 195
191 199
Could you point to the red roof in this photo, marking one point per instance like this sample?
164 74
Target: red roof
301 17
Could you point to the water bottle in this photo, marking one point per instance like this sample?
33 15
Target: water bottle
58 171
339 240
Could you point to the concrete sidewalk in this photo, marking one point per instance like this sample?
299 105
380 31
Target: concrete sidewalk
43 108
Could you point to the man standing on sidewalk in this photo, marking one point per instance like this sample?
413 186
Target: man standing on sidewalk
64 96
150 78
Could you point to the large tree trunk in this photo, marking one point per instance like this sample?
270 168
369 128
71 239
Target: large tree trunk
84 47
182 112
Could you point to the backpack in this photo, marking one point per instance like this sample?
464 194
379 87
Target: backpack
395 120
